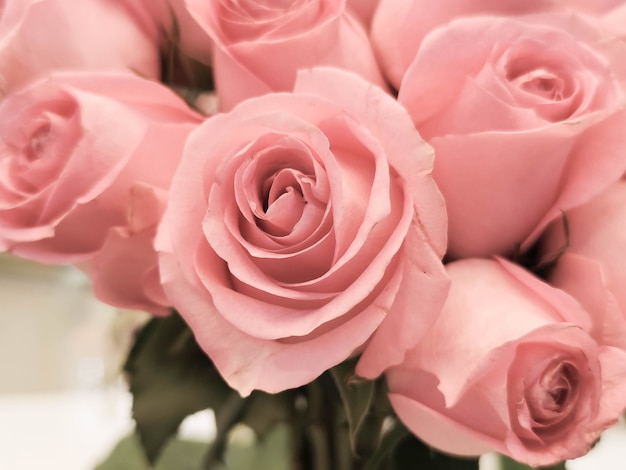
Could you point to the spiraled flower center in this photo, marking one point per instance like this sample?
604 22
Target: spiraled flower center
551 398
543 83
283 182
277 187
560 388
255 13
243 20
257 9
36 144
283 201
537 70
540 77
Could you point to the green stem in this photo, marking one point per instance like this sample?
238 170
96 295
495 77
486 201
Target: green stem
226 417
343 449
317 432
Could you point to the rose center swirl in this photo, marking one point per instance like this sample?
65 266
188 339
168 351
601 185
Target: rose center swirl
243 20
279 189
554 395
541 83
282 200
34 147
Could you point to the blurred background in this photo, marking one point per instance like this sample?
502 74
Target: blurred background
63 402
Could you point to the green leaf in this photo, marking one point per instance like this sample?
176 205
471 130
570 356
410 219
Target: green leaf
411 453
507 463
170 377
357 396
271 453
264 411
177 455
127 455
180 454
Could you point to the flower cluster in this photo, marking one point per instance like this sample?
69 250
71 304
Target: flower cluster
435 188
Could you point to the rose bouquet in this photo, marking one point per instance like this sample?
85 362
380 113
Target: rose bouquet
391 233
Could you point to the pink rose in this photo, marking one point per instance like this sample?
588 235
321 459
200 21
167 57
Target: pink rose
511 365
302 228
86 160
37 37
259 46
521 131
595 245
399 26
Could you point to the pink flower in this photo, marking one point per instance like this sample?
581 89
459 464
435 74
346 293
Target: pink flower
399 26
303 228
511 365
86 159
595 248
526 122
38 37
259 46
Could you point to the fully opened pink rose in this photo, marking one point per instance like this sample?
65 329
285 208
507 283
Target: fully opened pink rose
303 228
37 37
526 121
512 365
85 163
259 45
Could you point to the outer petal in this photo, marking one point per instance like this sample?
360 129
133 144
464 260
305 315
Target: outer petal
125 270
584 180
439 430
419 300
249 363
593 246
484 179
585 279
37 37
